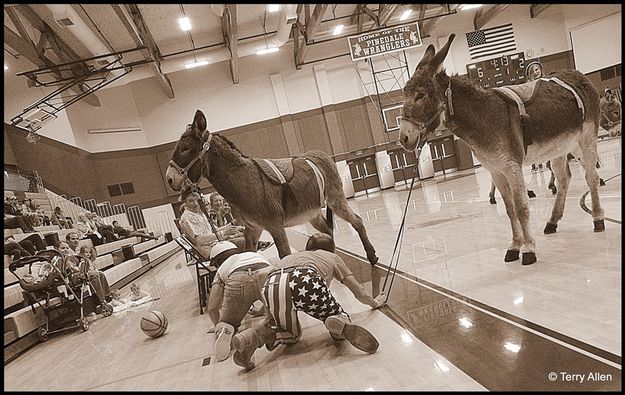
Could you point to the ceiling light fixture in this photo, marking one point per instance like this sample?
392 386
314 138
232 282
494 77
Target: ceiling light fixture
185 23
338 29
465 7
273 7
405 15
196 64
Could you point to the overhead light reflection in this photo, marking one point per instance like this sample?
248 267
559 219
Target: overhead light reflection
273 7
515 348
405 15
518 300
442 366
196 64
267 50
185 23
338 29
467 323
406 338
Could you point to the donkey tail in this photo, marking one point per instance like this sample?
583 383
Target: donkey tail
329 218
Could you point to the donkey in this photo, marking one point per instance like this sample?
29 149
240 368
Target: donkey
261 203
493 129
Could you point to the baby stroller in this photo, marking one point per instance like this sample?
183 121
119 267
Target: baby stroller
59 289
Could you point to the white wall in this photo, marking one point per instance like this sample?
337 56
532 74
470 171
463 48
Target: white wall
143 103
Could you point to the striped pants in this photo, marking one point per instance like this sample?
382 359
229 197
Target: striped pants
291 289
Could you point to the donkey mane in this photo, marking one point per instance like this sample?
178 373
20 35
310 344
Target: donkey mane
237 158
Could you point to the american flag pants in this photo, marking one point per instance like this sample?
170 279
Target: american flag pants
291 289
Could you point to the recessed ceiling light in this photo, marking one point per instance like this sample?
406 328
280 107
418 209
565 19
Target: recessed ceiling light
405 15
338 29
267 50
465 7
196 64
185 23
273 7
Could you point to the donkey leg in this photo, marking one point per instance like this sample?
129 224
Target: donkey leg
514 174
517 239
491 194
319 223
552 179
342 209
252 234
282 242
559 167
588 144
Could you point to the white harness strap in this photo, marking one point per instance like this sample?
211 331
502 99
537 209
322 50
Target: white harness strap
320 181
580 104
512 95
276 171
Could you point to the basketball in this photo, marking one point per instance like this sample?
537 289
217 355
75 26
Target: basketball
154 323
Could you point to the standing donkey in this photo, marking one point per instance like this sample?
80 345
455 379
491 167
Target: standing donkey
494 130
308 181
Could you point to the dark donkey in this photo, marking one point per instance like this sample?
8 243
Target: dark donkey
261 203
492 128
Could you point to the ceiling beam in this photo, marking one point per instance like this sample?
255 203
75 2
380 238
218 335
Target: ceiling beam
429 24
230 31
311 31
536 9
485 15
370 14
28 51
18 23
131 17
387 12
422 8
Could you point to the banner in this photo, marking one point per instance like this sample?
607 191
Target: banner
384 41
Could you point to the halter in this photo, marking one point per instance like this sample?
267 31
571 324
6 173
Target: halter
184 172
447 107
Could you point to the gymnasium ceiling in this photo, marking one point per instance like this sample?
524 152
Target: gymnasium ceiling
32 31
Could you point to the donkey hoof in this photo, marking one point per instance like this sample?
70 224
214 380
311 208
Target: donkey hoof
601 182
373 260
531 194
528 258
511 255
599 225
554 190
550 228
492 201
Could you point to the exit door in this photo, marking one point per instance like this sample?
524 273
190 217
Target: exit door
444 155
403 163
364 173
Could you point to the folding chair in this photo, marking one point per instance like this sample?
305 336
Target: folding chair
205 272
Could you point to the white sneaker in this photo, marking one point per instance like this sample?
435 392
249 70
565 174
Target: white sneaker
224 334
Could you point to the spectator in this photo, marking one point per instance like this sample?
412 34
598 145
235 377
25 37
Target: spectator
125 233
97 278
103 228
195 225
32 244
136 293
219 212
72 239
14 250
58 218
14 218
87 231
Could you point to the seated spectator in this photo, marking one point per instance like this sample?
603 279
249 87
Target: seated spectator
58 218
26 247
87 230
195 225
103 228
220 212
45 220
124 233
137 293
72 239
97 278
14 218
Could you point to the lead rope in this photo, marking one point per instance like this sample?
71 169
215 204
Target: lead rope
399 241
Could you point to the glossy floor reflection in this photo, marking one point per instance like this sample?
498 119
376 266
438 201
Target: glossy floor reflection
455 239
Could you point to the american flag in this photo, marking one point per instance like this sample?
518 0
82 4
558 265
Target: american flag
490 42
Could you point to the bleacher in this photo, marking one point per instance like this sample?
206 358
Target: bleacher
122 261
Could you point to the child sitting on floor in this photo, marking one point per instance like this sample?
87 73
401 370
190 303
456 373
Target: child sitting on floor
116 298
136 293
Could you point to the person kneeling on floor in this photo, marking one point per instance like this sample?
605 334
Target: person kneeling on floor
234 291
302 284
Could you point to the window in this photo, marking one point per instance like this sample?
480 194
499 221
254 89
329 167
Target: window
121 189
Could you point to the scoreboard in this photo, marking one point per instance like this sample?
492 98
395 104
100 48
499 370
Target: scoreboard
504 70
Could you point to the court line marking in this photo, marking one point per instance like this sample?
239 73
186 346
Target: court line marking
582 203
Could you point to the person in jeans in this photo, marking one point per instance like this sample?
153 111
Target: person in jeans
302 284
87 230
123 233
234 291
14 218
59 219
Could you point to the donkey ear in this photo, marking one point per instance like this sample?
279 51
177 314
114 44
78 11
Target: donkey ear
440 56
429 54
199 121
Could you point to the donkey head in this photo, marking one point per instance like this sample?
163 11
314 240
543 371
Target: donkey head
186 161
423 100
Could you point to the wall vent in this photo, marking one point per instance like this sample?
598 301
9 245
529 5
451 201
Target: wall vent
64 22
